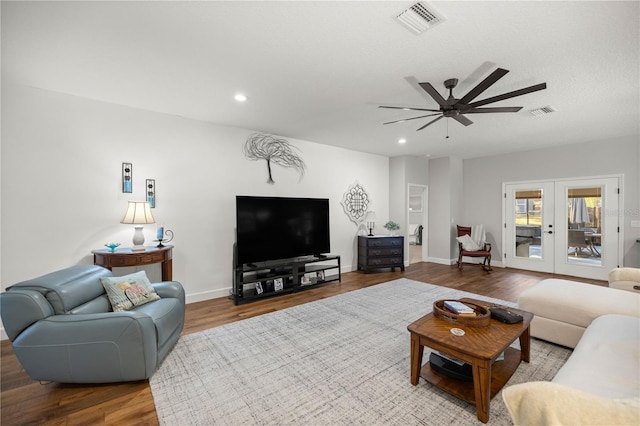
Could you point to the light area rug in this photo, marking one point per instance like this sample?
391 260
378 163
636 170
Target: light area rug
343 360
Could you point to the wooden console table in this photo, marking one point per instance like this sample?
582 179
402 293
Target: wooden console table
126 257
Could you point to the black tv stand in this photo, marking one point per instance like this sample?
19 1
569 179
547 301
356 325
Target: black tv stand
283 276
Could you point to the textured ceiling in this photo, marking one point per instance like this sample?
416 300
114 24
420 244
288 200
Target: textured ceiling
318 70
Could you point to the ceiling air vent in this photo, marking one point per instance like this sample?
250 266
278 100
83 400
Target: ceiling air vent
419 18
543 110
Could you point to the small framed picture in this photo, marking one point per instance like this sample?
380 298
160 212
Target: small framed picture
312 277
320 276
127 176
259 289
278 284
151 192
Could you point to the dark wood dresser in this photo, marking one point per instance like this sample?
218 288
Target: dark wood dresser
380 251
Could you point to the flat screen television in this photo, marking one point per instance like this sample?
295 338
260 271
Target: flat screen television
271 228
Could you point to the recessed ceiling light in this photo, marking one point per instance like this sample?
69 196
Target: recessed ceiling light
240 97
402 140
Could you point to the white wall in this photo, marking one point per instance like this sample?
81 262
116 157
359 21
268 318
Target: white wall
483 178
440 213
62 198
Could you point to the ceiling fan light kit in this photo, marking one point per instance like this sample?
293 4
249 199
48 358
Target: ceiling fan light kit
455 108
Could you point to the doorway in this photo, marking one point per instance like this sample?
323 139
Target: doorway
415 234
560 226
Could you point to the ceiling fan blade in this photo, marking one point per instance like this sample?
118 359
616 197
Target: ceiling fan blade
412 118
431 122
483 85
509 95
409 108
462 120
488 110
415 84
427 87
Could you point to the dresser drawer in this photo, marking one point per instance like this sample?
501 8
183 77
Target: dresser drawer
384 252
152 258
384 261
384 242
118 261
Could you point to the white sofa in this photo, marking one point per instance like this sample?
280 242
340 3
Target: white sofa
625 279
600 382
564 309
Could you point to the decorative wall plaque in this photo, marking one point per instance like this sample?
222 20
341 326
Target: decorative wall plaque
355 202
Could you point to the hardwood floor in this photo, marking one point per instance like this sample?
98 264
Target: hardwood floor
23 401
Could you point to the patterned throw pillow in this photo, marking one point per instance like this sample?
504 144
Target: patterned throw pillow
129 291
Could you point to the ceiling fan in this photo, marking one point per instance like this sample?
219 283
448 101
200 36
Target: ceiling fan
458 108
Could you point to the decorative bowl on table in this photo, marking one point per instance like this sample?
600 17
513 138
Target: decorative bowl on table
112 246
481 316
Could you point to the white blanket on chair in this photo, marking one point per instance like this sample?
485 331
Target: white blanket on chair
477 235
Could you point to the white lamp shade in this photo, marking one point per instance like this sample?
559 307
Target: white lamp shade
138 212
370 216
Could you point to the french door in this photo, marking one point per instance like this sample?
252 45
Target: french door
562 226
529 226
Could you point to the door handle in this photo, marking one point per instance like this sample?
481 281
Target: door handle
549 232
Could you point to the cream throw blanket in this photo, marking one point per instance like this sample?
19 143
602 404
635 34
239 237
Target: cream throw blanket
478 236
548 403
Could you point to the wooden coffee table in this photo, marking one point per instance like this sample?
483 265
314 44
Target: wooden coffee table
479 346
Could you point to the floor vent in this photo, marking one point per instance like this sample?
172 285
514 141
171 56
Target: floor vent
543 110
419 18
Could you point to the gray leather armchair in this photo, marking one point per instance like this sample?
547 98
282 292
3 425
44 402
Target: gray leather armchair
63 329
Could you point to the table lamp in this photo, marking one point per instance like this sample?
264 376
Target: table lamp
370 217
138 213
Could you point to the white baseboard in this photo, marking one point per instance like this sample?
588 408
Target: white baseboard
207 295
465 259
441 261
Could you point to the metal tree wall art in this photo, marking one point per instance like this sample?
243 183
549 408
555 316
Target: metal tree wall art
277 151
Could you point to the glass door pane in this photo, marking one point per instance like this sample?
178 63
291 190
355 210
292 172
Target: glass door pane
528 221
584 232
